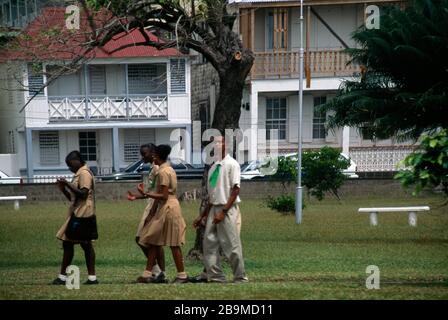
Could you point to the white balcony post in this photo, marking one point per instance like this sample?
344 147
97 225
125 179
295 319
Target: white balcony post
86 96
115 150
29 152
126 86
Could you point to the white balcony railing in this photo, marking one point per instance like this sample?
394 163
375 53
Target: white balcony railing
379 159
75 108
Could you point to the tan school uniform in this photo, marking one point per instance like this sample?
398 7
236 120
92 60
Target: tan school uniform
148 182
167 227
82 208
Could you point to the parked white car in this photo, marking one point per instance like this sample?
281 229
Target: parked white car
251 170
5 179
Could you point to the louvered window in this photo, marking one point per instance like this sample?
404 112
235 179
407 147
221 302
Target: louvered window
49 147
147 78
35 79
133 139
97 79
177 68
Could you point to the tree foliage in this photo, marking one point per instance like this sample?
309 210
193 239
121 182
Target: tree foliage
428 166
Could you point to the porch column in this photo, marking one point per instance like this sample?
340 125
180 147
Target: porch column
253 143
29 153
86 96
115 150
126 87
346 140
188 143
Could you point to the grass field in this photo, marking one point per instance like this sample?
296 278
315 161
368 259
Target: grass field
324 258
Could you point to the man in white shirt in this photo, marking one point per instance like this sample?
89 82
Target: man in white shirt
223 223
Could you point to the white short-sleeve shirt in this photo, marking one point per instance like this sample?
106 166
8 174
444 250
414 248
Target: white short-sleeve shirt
229 176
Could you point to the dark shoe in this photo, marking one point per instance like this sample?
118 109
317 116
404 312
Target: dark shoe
91 282
144 279
197 279
58 281
179 280
160 278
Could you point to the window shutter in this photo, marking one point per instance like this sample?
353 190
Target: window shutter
178 84
133 139
35 79
97 80
49 147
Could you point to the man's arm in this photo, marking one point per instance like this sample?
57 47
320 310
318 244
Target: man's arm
222 214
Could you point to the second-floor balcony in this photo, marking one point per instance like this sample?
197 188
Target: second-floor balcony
319 63
92 108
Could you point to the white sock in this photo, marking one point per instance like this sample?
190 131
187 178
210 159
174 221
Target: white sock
63 277
182 275
156 270
92 278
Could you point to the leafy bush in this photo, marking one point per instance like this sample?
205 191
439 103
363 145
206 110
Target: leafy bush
428 166
321 171
285 203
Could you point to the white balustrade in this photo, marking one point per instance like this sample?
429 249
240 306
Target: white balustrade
108 107
379 159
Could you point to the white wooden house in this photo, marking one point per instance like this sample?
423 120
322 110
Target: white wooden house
106 109
271 28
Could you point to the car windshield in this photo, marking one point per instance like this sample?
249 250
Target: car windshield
133 167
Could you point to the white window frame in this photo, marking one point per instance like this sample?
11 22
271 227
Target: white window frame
279 120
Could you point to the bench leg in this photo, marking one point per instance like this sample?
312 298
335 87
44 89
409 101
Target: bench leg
412 219
16 205
373 219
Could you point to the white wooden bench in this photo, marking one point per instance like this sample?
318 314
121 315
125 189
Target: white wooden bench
15 199
411 210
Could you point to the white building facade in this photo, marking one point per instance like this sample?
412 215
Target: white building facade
106 109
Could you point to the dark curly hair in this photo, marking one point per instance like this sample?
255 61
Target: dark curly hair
163 151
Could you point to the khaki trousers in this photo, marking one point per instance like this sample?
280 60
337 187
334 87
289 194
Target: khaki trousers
226 235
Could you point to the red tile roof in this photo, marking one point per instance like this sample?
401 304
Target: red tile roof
47 38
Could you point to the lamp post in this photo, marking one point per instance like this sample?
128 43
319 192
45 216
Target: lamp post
299 189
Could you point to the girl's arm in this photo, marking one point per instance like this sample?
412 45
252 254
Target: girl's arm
61 187
79 193
161 194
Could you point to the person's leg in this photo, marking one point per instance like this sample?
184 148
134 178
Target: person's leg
230 242
89 254
160 259
67 258
211 248
69 251
179 262
144 249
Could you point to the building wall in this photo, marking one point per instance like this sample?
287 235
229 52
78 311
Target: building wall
11 101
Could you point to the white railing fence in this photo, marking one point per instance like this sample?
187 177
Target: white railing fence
108 107
379 159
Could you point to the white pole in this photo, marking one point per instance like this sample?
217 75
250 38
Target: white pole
299 190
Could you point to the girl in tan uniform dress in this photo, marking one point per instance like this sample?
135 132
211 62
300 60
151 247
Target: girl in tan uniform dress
146 152
167 227
80 193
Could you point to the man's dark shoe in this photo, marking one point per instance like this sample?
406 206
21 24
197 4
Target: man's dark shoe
160 278
58 281
91 282
197 279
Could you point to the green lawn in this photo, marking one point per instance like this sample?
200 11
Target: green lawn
324 258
